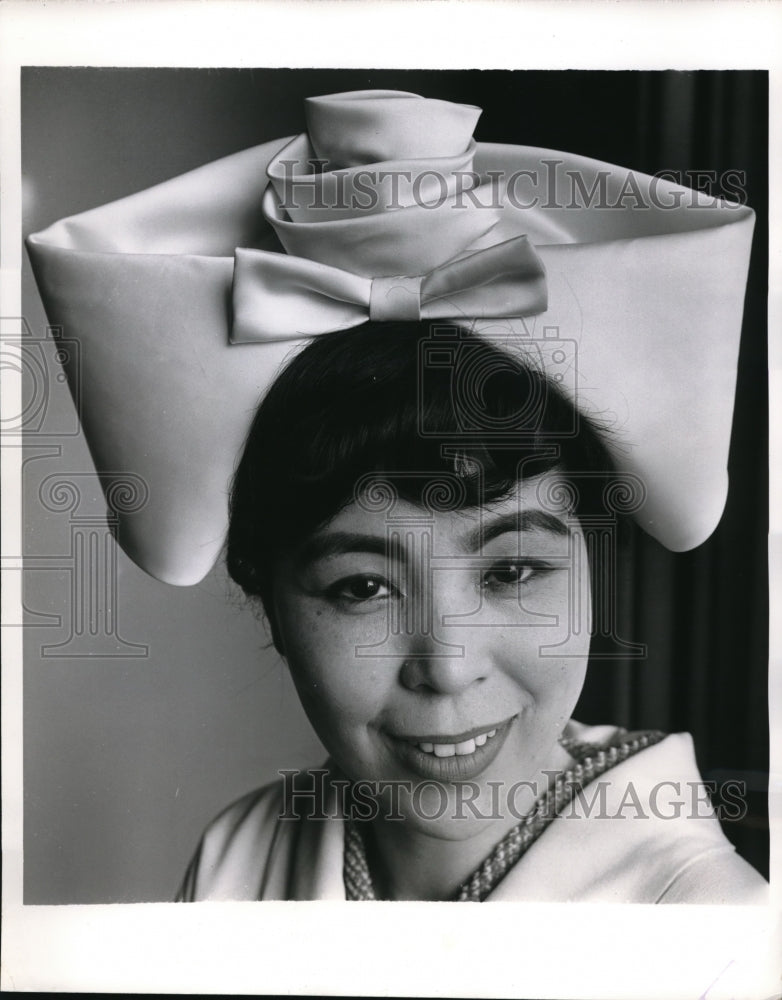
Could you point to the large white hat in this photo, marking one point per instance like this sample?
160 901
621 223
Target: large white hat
189 296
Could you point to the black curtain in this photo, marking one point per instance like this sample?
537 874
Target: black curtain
702 615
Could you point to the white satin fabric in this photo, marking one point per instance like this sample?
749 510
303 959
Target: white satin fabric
646 855
645 283
278 297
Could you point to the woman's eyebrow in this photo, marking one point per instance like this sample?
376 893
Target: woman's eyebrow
336 543
519 520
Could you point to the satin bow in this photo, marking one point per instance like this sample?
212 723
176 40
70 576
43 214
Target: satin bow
280 297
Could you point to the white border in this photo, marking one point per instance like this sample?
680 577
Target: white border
405 949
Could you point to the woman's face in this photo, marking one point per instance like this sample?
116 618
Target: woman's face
441 649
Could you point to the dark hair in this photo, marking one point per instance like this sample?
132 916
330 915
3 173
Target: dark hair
404 403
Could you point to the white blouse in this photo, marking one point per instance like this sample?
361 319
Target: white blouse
643 832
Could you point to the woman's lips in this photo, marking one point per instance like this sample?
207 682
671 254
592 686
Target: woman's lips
450 758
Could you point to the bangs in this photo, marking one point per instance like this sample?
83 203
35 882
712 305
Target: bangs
450 417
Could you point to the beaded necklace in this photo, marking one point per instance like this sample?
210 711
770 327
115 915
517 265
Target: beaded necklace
591 761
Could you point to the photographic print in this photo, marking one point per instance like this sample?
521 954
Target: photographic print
393 453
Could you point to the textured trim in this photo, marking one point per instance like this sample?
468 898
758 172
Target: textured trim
592 761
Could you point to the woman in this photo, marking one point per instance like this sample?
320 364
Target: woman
453 239
430 595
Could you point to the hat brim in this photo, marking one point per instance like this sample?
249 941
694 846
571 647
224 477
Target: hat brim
651 299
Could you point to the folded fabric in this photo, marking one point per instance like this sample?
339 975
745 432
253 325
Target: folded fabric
639 319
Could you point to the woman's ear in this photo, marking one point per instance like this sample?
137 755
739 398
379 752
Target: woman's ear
270 611
276 637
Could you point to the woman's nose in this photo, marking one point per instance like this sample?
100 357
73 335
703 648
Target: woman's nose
443 673
441 658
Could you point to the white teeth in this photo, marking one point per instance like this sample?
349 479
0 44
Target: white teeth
460 749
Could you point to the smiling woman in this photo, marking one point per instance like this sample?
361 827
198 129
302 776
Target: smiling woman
431 604
430 594
455 399
429 672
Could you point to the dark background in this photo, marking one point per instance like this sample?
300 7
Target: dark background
127 757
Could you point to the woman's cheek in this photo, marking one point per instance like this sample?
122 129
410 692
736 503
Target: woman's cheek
555 686
321 650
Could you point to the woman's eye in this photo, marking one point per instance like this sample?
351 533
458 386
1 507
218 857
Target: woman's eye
361 588
506 575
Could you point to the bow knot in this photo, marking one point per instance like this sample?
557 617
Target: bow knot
396 298
282 297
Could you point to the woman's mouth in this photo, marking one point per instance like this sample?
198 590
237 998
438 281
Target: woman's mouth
457 747
451 758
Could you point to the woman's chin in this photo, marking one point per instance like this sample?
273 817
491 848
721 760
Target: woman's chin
448 811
